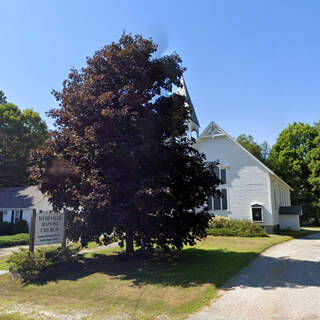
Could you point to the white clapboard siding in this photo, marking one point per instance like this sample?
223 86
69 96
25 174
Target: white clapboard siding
247 183
280 196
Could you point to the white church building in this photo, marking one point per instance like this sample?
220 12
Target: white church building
250 189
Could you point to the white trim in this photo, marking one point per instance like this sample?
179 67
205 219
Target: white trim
270 196
262 165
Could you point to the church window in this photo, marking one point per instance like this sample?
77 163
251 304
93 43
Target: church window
257 213
224 200
209 202
218 202
223 176
221 173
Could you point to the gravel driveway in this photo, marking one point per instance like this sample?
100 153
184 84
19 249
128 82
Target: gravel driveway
283 283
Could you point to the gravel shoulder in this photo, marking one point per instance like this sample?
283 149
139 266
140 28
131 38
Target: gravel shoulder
283 283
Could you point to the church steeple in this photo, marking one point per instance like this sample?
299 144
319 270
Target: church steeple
193 124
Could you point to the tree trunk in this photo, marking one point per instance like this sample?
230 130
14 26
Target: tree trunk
129 243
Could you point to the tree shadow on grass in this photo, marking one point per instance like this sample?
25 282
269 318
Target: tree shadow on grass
190 267
194 267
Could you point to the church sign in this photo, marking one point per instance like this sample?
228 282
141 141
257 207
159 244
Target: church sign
47 227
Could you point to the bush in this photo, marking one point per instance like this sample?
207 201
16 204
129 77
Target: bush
311 222
21 226
6 228
14 240
220 226
33 265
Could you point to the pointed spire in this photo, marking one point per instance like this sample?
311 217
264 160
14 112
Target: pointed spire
184 92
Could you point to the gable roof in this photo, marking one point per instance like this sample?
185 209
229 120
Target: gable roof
20 197
213 130
184 92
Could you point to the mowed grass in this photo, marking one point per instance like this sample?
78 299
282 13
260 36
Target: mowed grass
303 232
107 283
14 240
13 316
311 228
3 264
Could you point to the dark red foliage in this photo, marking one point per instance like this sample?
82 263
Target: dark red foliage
119 157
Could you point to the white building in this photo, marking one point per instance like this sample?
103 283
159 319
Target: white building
17 203
250 189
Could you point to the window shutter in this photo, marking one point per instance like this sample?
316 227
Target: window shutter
21 214
12 216
223 176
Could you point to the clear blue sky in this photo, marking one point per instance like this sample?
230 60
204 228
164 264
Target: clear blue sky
253 66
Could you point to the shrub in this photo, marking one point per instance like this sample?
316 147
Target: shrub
33 265
6 228
21 226
221 222
14 240
311 222
220 226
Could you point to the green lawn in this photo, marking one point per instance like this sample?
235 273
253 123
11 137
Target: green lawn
106 282
14 240
13 316
23 239
300 233
3 264
311 228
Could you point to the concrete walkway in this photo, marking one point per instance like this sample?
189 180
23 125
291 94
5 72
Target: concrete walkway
282 284
7 251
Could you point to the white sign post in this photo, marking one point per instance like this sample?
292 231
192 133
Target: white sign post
46 228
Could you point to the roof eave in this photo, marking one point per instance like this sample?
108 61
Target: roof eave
279 179
262 165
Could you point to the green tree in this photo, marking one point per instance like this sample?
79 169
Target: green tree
120 157
317 125
3 98
261 152
313 158
289 159
265 151
20 131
